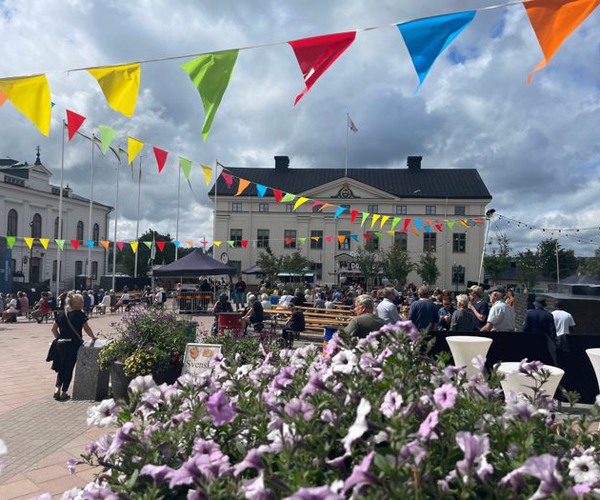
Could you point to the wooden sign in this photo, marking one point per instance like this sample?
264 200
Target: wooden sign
197 357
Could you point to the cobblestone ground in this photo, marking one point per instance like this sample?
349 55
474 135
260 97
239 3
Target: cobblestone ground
41 434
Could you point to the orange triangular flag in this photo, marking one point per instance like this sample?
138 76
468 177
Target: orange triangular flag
242 186
341 239
324 206
3 98
553 21
105 244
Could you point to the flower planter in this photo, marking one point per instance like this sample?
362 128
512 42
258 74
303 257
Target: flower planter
466 347
168 376
520 383
119 382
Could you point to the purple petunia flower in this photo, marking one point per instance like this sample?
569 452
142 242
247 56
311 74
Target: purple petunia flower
159 473
314 384
220 408
427 427
252 461
209 462
392 402
475 449
517 408
529 368
542 468
122 436
445 396
300 407
412 450
196 495
315 493
71 466
360 474
95 492
254 489
284 378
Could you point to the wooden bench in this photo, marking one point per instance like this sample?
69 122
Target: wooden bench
315 320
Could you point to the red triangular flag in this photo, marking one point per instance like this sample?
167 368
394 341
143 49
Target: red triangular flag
328 238
161 158
120 245
75 244
160 245
316 54
367 236
244 243
406 224
353 214
278 194
228 179
74 121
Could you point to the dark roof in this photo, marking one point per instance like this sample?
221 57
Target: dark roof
400 182
195 263
13 167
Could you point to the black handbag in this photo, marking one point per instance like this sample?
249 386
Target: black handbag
53 351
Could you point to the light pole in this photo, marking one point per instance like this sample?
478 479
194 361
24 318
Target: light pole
489 215
30 255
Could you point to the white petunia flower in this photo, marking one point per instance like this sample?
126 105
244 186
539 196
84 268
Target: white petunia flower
344 362
104 414
584 469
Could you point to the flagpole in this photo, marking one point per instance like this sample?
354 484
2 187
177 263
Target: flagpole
89 259
347 133
137 224
114 260
177 219
214 228
60 205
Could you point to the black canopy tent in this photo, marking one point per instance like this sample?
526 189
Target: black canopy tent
194 264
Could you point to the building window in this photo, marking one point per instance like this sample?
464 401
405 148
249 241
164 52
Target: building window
460 210
78 267
345 245
317 269
430 209
94 269
458 274
56 228
401 210
401 240
429 242
96 233
263 207
54 269
372 208
236 236
289 238
236 206
459 242
316 244
289 207
373 241
36 226
262 238
79 235
12 222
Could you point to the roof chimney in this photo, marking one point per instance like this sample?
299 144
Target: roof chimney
282 163
414 163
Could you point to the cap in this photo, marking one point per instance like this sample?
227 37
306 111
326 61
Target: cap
498 289
540 301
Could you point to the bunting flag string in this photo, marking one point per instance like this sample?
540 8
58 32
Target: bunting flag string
552 21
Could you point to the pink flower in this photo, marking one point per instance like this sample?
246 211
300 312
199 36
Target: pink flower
445 396
220 408
427 427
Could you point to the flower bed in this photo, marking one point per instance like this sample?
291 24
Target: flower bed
378 419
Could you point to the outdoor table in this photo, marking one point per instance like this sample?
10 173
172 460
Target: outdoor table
230 322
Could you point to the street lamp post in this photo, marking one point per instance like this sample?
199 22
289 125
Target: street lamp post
488 214
30 254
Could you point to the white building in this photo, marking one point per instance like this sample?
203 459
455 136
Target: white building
29 208
435 195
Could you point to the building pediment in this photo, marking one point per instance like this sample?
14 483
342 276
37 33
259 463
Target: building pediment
347 189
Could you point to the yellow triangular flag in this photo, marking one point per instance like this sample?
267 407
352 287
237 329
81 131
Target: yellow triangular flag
120 85
133 149
374 219
217 243
300 201
189 243
29 242
134 246
384 219
207 173
31 96
44 242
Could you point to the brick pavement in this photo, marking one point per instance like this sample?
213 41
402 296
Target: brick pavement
41 434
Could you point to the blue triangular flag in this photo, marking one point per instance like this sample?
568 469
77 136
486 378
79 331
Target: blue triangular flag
90 243
418 224
261 190
176 243
427 38
354 237
338 212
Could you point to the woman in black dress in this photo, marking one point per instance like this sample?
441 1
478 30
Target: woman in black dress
67 330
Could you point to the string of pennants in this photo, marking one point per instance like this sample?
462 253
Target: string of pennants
553 21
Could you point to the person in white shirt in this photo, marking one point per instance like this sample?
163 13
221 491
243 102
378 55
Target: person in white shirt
264 301
502 316
563 321
387 310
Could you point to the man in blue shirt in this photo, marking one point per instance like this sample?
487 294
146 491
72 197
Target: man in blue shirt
423 313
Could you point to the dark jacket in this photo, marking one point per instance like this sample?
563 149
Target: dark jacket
539 320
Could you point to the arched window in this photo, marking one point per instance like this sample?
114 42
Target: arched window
36 226
56 229
79 235
96 233
12 223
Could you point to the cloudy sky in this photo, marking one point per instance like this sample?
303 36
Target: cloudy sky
535 146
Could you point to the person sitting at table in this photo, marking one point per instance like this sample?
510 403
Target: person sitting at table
222 306
254 315
41 308
294 325
365 321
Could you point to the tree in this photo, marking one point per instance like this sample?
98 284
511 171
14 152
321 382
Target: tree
396 265
270 264
295 264
567 262
368 260
591 265
499 261
427 268
528 269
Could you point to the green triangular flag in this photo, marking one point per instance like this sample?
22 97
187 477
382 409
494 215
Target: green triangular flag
210 74
230 243
365 216
287 197
10 241
61 244
147 243
302 240
395 222
450 223
107 134
186 166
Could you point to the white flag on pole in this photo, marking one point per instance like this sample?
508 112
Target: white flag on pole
351 125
